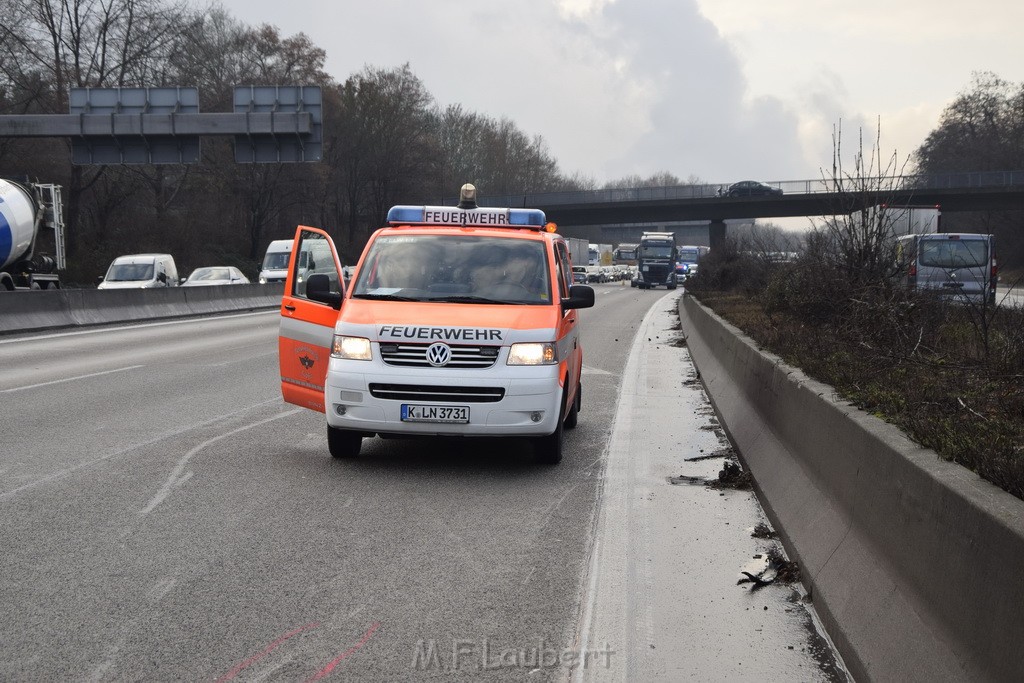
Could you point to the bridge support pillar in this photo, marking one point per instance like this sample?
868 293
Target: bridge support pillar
716 233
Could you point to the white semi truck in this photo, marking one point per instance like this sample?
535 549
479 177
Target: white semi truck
27 211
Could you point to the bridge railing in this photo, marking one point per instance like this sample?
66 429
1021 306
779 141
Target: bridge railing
977 179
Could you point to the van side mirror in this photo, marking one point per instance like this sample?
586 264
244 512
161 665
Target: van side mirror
318 288
580 296
162 277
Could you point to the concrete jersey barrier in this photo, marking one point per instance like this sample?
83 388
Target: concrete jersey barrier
913 563
25 311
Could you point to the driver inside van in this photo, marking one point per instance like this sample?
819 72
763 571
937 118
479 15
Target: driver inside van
406 266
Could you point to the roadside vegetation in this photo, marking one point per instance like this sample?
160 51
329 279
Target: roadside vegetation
950 375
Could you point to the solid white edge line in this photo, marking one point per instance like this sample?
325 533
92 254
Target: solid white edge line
627 388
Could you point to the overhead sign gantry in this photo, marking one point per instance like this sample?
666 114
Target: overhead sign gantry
271 124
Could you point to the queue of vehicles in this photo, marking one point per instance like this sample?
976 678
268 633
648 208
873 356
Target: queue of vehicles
961 265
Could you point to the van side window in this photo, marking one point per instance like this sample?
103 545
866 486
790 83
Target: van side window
314 256
564 270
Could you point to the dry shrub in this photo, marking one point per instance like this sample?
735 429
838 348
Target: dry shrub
949 375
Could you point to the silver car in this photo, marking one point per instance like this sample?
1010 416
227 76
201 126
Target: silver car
215 275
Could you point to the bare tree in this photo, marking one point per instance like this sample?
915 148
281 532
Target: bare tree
658 179
383 145
857 240
981 130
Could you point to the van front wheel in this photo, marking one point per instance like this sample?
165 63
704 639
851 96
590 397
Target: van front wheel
573 417
342 443
548 449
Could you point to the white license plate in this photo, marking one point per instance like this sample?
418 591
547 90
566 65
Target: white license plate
412 412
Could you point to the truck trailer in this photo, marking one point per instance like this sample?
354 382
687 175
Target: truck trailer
578 248
27 212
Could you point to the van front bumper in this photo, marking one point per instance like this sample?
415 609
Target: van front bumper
529 405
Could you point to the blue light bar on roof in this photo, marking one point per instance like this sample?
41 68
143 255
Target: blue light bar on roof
405 214
481 217
531 217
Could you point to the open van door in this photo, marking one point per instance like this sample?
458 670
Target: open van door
308 315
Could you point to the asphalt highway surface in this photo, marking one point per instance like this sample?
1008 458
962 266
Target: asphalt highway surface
166 516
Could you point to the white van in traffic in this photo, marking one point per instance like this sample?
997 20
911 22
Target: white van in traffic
959 265
141 271
275 263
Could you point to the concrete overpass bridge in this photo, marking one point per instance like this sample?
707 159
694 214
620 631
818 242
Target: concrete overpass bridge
613 216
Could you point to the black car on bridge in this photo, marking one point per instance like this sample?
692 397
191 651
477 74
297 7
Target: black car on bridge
752 188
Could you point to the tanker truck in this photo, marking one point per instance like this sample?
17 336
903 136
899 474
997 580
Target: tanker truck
27 212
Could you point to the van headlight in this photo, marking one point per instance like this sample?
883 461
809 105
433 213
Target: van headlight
351 348
532 353
263 280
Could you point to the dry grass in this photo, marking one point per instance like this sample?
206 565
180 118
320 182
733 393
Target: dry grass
950 376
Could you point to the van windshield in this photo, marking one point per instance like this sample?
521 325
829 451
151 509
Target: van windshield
130 272
949 253
456 269
276 260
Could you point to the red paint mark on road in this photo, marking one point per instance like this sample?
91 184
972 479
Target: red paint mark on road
266 651
344 655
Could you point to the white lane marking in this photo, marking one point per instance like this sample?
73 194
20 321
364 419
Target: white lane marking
120 328
161 588
587 370
160 437
178 476
70 379
240 360
614 488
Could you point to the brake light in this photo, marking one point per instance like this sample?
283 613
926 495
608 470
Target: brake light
913 269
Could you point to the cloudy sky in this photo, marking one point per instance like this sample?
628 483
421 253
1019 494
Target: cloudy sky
718 89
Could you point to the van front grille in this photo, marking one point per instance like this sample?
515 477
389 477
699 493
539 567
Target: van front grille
415 355
436 394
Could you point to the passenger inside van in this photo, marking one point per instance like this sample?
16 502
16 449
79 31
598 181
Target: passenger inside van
407 265
516 273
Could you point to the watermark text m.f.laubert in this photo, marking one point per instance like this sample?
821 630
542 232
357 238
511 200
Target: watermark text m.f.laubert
483 655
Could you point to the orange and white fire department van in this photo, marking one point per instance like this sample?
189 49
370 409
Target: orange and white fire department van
460 321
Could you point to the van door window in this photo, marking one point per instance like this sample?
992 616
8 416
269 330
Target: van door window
314 256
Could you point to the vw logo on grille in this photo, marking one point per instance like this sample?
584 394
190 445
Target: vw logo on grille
439 354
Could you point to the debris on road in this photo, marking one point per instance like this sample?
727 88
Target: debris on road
762 530
732 476
721 453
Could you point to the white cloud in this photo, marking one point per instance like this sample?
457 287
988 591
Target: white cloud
720 89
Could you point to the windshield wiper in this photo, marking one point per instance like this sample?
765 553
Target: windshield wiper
385 297
468 299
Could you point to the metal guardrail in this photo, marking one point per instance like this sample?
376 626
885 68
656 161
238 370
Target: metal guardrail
716 191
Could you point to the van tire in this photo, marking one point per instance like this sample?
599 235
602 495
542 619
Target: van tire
548 449
342 443
573 417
